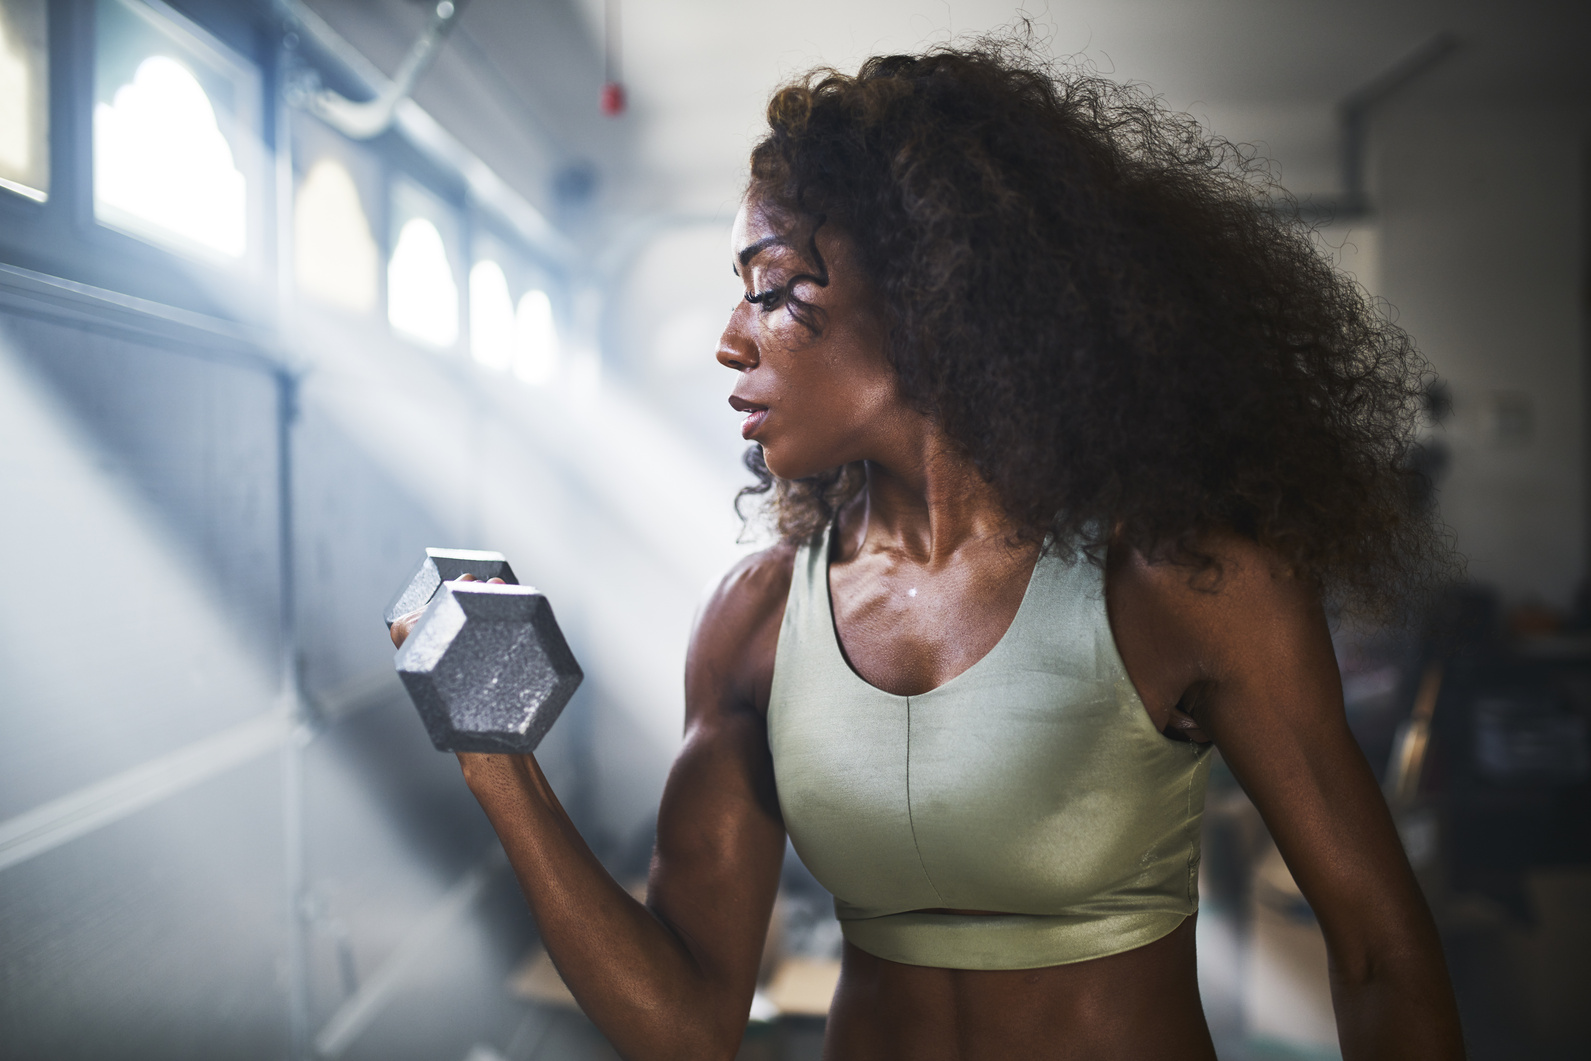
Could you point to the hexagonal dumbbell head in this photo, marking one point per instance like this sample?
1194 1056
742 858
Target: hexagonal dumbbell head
444 565
488 668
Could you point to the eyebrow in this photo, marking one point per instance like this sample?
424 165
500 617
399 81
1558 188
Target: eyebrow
757 248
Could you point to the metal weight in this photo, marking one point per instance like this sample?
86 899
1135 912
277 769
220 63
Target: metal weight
487 666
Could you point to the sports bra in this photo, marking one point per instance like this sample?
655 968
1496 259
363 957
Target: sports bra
1033 784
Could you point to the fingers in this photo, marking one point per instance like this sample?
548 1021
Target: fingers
403 627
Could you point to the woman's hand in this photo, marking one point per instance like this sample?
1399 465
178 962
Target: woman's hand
404 626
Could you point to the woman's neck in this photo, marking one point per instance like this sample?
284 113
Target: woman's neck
927 508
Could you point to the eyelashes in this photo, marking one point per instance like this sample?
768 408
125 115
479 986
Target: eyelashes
767 300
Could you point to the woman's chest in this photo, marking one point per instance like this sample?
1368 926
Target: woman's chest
1013 794
907 628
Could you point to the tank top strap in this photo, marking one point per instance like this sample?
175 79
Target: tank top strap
807 631
1081 630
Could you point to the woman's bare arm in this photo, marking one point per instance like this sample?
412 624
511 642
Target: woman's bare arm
1255 645
672 978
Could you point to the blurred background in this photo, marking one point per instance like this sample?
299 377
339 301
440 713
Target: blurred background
290 289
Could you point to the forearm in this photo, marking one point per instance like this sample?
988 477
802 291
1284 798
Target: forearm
636 978
1397 1010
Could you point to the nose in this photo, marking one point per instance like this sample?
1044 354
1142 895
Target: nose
736 349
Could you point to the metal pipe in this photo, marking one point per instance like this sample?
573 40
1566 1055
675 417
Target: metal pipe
295 867
363 121
1354 122
1356 107
486 188
295 872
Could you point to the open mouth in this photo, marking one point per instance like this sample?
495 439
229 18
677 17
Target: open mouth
755 415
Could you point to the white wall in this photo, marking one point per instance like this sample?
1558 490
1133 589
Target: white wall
1482 234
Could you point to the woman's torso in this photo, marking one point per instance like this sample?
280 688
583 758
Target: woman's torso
1031 784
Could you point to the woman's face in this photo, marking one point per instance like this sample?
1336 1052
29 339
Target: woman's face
813 399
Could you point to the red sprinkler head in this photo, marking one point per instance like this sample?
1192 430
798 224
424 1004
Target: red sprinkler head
612 99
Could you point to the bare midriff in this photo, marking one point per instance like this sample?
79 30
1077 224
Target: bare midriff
1141 1005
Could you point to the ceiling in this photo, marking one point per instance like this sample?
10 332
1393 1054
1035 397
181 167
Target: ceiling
698 72
1263 71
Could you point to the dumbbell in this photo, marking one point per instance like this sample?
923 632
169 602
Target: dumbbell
486 664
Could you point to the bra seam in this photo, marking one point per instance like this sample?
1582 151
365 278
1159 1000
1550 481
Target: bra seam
911 818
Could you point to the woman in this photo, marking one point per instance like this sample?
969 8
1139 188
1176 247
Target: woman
1067 435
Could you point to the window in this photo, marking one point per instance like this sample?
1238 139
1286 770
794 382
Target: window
422 294
535 339
24 99
512 325
491 316
174 116
335 258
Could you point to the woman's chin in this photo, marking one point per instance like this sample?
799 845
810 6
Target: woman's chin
787 461
779 468
783 467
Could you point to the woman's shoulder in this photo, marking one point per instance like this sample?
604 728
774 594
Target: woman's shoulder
1218 569
737 629
755 584
1225 607
1222 595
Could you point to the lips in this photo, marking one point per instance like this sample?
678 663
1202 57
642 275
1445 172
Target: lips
755 415
753 420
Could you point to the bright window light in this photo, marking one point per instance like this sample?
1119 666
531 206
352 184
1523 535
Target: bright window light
24 103
335 257
535 339
16 104
491 316
162 168
422 296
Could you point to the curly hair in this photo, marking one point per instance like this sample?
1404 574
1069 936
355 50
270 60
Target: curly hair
1119 318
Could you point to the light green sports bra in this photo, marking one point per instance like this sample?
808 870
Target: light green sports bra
1033 784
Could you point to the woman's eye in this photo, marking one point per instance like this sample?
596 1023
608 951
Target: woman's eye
768 299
